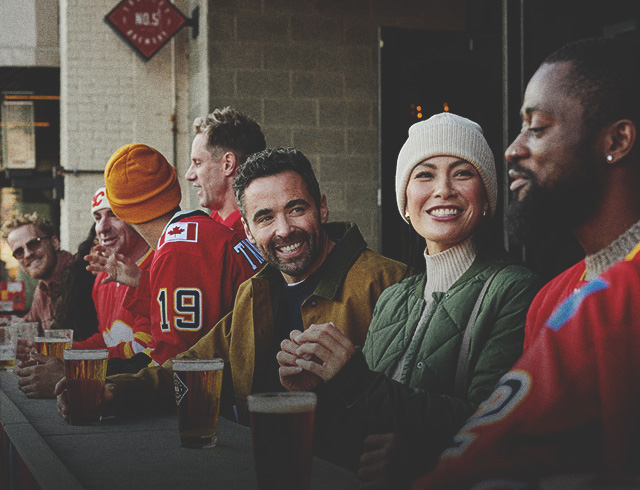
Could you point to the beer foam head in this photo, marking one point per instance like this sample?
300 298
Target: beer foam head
50 339
197 364
282 402
61 333
83 354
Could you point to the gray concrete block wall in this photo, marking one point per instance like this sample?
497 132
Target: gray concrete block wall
307 70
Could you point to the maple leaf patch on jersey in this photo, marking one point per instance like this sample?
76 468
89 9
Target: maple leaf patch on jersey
180 232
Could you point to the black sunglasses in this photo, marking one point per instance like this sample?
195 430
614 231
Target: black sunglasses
32 245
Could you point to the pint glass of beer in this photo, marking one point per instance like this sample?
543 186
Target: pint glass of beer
282 429
198 383
8 345
60 333
52 347
85 370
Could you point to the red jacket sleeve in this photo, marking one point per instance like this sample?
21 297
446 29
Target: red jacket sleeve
96 341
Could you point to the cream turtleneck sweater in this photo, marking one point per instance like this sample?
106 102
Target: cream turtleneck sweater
443 269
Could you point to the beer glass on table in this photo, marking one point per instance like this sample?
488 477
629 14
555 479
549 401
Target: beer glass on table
27 330
54 342
198 383
8 345
282 429
51 347
85 370
60 333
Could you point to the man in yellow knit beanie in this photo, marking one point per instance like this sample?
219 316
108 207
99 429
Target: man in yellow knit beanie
315 272
198 264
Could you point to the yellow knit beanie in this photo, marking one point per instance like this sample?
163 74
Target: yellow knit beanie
141 184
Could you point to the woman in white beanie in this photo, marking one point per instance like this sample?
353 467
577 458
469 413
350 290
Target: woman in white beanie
415 375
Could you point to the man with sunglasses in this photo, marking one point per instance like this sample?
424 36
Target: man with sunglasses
36 247
123 333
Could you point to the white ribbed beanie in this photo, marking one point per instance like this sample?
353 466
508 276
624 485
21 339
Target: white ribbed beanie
451 135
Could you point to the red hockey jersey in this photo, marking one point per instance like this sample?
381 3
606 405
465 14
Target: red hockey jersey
192 281
119 330
233 221
571 403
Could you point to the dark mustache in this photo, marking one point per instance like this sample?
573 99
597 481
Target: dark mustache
521 170
296 236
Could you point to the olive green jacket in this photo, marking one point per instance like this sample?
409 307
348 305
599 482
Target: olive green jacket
424 404
353 277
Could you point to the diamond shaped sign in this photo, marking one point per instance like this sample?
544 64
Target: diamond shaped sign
180 388
146 25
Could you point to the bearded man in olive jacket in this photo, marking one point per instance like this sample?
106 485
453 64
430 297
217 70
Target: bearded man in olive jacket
316 272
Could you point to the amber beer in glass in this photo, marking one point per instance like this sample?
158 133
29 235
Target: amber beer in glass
282 430
8 345
198 383
52 347
85 370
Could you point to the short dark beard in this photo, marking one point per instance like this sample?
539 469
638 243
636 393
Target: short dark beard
304 263
528 219
546 212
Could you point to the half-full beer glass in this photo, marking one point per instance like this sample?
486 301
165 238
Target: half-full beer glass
198 383
85 370
282 429
8 345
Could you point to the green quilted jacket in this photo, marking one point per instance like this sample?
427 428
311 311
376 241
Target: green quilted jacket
363 399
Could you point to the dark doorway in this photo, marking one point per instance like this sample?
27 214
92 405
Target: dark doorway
425 73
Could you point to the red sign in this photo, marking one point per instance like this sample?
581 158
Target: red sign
12 296
146 24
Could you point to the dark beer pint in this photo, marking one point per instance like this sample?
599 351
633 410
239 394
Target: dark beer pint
282 429
85 371
198 383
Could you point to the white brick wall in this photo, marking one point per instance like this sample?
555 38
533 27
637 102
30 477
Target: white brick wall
29 33
111 97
